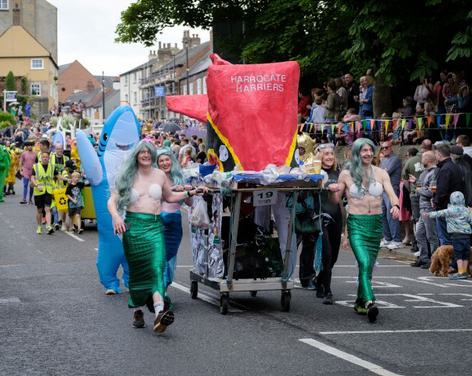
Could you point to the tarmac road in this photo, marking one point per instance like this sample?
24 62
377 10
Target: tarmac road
56 320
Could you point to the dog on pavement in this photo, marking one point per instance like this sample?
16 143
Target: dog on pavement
441 260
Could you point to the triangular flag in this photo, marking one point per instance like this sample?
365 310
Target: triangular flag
372 124
386 124
359 126
430 120
311 127
438 120
403 123
456 119
419 122
448 119
467 119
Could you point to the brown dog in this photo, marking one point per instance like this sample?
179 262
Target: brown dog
441 260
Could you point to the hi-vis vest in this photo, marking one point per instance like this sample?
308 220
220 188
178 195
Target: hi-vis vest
59 167
45 179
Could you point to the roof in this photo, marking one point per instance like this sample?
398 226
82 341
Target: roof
180 58
135 69
201 65
108 80
63 67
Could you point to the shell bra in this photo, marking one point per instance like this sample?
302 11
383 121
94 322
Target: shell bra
154 191
374 189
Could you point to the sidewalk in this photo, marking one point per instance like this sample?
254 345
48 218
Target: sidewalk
399 254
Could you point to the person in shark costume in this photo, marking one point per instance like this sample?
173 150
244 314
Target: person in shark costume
120 134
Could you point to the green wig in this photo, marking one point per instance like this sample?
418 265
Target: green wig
354 166
127 174
175 170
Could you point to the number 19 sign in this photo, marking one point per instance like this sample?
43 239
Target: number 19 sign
264 198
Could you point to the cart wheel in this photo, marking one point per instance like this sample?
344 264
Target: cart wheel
224 303
285 301
194 289
253 293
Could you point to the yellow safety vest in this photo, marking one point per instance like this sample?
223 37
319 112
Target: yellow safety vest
45 179
58 166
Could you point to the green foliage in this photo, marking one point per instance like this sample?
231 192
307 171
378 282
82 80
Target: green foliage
401 40
24 85
10 83
6 119
67 121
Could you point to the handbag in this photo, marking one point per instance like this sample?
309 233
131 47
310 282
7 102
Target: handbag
306 222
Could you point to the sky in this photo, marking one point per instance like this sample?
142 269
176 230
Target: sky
86 32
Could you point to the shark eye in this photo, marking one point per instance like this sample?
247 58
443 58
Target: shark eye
105 137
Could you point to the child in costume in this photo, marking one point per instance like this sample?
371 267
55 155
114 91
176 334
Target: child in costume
4 167
75 201
12 171
459 221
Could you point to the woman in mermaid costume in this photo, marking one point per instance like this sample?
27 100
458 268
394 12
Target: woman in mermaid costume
170 213
363 185
139 190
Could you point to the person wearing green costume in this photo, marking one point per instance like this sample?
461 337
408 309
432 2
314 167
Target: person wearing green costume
4 167
139 190
363 184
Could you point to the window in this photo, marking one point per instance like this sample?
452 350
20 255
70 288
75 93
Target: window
126 80
134 77
36 89
199 86
126 98
37 63
4 5
135 96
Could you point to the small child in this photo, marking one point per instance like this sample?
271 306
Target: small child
76 204
459 221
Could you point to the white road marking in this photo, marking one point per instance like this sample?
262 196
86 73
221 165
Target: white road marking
206 298
396 331
73 236
10 300
374 368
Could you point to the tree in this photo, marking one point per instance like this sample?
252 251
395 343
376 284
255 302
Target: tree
10 82
401 40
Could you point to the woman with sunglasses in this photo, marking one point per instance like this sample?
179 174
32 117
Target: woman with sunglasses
364 184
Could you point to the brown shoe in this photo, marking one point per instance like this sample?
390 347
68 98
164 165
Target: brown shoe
163 320
138 319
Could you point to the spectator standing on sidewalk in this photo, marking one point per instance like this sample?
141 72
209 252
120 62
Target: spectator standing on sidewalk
464 162
464 141
459 221
426 236
448 179
391 226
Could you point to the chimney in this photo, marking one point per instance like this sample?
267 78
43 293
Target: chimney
160 45
16 15
195 40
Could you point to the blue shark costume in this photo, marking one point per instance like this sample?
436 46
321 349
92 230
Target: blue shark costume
120 134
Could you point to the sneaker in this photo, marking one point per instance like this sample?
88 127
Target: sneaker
63 228
417 254
384 243
395 245
328 299
80 231
360 310
23 202
406 241
320 292
57 226
372 312
163 320
311 285
458 276
110 292
416 264
49 230
138 319
39 230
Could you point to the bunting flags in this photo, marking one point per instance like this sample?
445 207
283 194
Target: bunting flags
419 122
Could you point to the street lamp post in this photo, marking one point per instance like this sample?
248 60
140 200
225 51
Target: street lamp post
187 67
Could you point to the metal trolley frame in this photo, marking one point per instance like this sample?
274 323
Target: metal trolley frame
227 285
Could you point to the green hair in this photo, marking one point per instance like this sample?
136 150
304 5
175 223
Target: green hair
125 179
175 170
354 166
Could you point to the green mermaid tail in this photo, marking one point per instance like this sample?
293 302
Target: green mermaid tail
365 233
145 252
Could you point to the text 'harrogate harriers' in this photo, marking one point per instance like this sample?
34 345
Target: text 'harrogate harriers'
259 82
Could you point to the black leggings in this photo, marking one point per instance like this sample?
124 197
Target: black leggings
331 244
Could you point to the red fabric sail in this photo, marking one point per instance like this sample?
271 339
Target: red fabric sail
194 106
253 109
